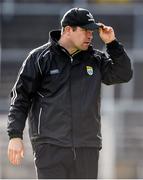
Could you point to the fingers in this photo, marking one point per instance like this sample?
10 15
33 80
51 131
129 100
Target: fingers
15 156
106 33
15 151
103 27
18 158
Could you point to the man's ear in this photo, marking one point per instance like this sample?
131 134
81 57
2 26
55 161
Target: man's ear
68 29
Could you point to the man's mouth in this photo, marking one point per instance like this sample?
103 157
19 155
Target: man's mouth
87 43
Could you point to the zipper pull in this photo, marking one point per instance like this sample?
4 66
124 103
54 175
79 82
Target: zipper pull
71 59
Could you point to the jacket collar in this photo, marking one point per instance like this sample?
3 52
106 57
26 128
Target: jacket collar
54 37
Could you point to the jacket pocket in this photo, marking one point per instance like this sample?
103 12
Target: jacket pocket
39 121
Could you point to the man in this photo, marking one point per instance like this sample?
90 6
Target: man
58 88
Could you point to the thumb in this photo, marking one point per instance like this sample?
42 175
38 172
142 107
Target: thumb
22 154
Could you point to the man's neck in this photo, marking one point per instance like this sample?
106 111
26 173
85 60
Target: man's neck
67 45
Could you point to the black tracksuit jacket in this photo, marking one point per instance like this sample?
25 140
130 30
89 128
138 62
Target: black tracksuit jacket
60 93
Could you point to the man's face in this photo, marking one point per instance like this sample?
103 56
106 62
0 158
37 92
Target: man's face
81 38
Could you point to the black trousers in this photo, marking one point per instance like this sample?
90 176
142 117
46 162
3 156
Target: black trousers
55 162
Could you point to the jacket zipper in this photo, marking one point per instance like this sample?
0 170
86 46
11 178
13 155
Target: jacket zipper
74 153
73 146
39 120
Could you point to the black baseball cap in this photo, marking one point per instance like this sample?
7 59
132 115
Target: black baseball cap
79 17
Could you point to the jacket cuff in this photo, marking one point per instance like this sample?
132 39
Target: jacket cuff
113 44
114 49
15 135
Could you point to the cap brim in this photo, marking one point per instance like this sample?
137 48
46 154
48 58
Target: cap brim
91 26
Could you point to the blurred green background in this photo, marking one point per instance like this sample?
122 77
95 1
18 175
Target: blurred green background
25 25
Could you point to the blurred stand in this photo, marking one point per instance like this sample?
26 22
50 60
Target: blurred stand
25 24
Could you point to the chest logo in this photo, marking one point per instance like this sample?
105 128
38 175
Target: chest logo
89 70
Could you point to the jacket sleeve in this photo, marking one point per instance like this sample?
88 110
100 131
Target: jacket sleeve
21 95
116 68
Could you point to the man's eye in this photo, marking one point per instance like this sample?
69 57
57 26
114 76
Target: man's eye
82 29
